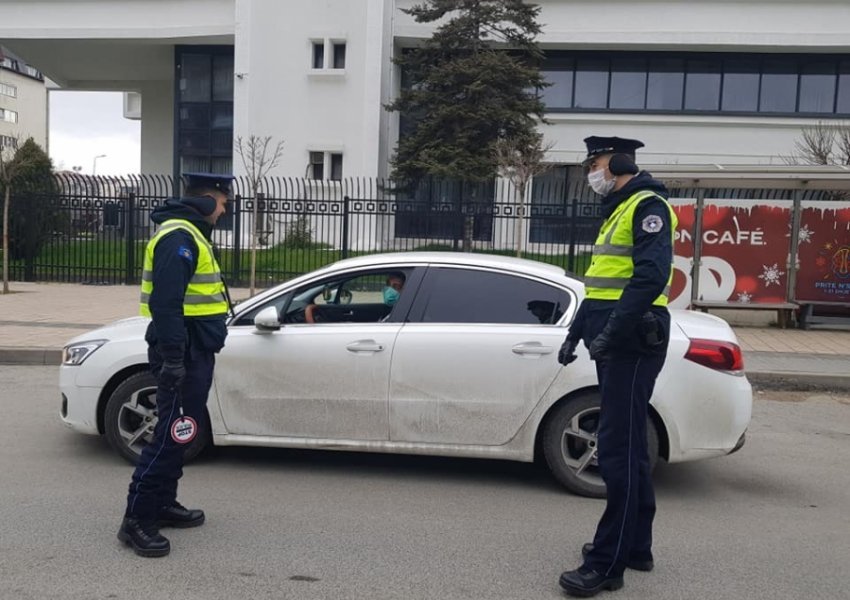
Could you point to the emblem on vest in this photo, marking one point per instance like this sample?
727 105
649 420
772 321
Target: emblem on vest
652 224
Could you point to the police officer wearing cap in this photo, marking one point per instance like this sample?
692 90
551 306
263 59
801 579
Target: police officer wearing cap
184 294
625 324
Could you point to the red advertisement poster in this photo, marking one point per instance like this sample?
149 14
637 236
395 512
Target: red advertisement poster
824 253
745 246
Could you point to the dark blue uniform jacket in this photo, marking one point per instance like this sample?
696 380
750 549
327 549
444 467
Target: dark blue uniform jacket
174 262
652 257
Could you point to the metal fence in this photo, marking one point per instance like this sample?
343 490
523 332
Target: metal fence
94 229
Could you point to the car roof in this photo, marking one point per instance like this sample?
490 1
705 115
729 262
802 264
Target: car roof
511 263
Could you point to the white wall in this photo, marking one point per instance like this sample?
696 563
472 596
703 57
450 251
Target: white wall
157 135
31 106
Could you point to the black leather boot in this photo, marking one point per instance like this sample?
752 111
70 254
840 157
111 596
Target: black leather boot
636 565
177 515
586 582
143 538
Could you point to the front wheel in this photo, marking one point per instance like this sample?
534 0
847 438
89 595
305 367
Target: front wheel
131 415
570 445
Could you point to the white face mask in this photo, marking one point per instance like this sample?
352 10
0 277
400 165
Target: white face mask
600 185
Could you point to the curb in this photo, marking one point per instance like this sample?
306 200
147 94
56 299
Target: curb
30 356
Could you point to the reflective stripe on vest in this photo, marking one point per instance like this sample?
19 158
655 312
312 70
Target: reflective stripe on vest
205 294
612 265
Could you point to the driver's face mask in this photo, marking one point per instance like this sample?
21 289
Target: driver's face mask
390 296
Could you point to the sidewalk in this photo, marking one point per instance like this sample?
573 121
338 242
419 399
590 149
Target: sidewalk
38 318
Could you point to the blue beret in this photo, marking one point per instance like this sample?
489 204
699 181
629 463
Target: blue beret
216 181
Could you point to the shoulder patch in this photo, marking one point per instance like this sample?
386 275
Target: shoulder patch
184 252
652 224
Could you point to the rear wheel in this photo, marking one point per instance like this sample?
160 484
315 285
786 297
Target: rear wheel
131 415
570 444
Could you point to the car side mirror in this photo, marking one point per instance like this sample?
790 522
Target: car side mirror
267 320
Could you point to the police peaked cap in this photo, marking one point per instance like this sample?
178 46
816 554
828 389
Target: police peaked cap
216 181
597 146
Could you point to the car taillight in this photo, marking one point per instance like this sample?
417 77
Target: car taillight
723 356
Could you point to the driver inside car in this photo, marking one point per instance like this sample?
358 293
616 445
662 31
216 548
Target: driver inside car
390 294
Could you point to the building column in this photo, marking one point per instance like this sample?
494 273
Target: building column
157 127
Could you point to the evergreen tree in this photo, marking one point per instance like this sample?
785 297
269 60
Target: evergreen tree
475 81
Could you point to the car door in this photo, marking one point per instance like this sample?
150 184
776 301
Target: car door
317 380
477 354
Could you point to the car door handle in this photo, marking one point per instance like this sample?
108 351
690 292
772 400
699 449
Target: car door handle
364 346
532 348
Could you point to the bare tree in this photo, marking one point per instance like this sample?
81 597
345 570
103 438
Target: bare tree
9 170
519 160
259 157
822 144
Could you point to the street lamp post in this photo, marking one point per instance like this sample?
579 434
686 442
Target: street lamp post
94 163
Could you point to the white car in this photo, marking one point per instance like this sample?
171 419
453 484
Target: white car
463 364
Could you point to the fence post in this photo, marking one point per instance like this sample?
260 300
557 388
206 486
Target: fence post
236 255
130 276
696 261
345 209
793 263
571 253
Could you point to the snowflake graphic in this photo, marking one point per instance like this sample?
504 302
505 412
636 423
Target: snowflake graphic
771 275
806 235
744 297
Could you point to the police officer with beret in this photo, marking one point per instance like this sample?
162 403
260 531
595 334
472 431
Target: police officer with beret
625 324
184 294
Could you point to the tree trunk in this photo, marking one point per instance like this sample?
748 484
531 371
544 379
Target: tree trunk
254 228
7 200
519 232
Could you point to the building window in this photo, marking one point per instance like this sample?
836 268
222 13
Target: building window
7 141
9 116
773 84
7 89
205 109
339 55
319 54
322 163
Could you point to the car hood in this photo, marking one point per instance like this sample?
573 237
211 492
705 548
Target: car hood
125 329
697 325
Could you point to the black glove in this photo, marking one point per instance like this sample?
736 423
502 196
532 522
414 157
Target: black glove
602 344
172 374
567 353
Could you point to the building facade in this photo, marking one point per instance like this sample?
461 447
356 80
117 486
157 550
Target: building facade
700 82
23 102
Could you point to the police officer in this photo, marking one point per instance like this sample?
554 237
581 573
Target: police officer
184 294
625 324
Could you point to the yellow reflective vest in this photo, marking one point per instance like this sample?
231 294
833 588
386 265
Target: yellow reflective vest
205 295
612 266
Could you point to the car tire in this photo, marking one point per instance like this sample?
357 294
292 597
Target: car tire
130 417
569 441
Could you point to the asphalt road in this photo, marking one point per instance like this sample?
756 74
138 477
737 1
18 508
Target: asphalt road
772 521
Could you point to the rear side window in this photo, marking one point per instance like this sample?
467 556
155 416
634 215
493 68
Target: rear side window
471 296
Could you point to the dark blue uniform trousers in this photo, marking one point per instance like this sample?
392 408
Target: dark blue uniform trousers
154 482
625 529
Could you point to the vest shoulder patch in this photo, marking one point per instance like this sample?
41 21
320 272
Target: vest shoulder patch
185 252
652 224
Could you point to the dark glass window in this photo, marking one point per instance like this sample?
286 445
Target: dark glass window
628 83
740 85
702 86
778 86
318 55
843 88
468 296
339 55
195 78
591 87
222 89
336 167
317 165
560 93
817 87
222 116
195 116
666 84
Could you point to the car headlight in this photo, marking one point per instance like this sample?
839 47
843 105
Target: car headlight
74 354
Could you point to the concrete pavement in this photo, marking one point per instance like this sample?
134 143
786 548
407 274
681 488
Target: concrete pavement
36 320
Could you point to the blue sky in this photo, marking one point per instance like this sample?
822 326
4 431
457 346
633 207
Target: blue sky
86 124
